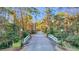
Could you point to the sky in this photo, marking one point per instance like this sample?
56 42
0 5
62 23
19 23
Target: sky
56 10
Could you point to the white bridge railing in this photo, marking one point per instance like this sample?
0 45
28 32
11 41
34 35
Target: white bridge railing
26 39
52 38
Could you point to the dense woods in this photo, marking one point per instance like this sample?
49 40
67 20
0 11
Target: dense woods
16 23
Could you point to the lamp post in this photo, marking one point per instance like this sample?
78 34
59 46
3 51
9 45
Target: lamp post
21 35
52 21
62 36
21 32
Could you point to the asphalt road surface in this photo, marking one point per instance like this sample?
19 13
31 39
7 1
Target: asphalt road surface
39 42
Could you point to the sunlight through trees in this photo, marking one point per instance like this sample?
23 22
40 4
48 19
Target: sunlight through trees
18 22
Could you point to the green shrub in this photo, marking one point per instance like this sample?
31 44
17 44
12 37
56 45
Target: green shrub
53 30
8 38
73 39
58 33
16 39
5 44
25 34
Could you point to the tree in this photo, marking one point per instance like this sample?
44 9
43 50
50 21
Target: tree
49 16
35 12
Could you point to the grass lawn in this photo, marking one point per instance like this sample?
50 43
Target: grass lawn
17 45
